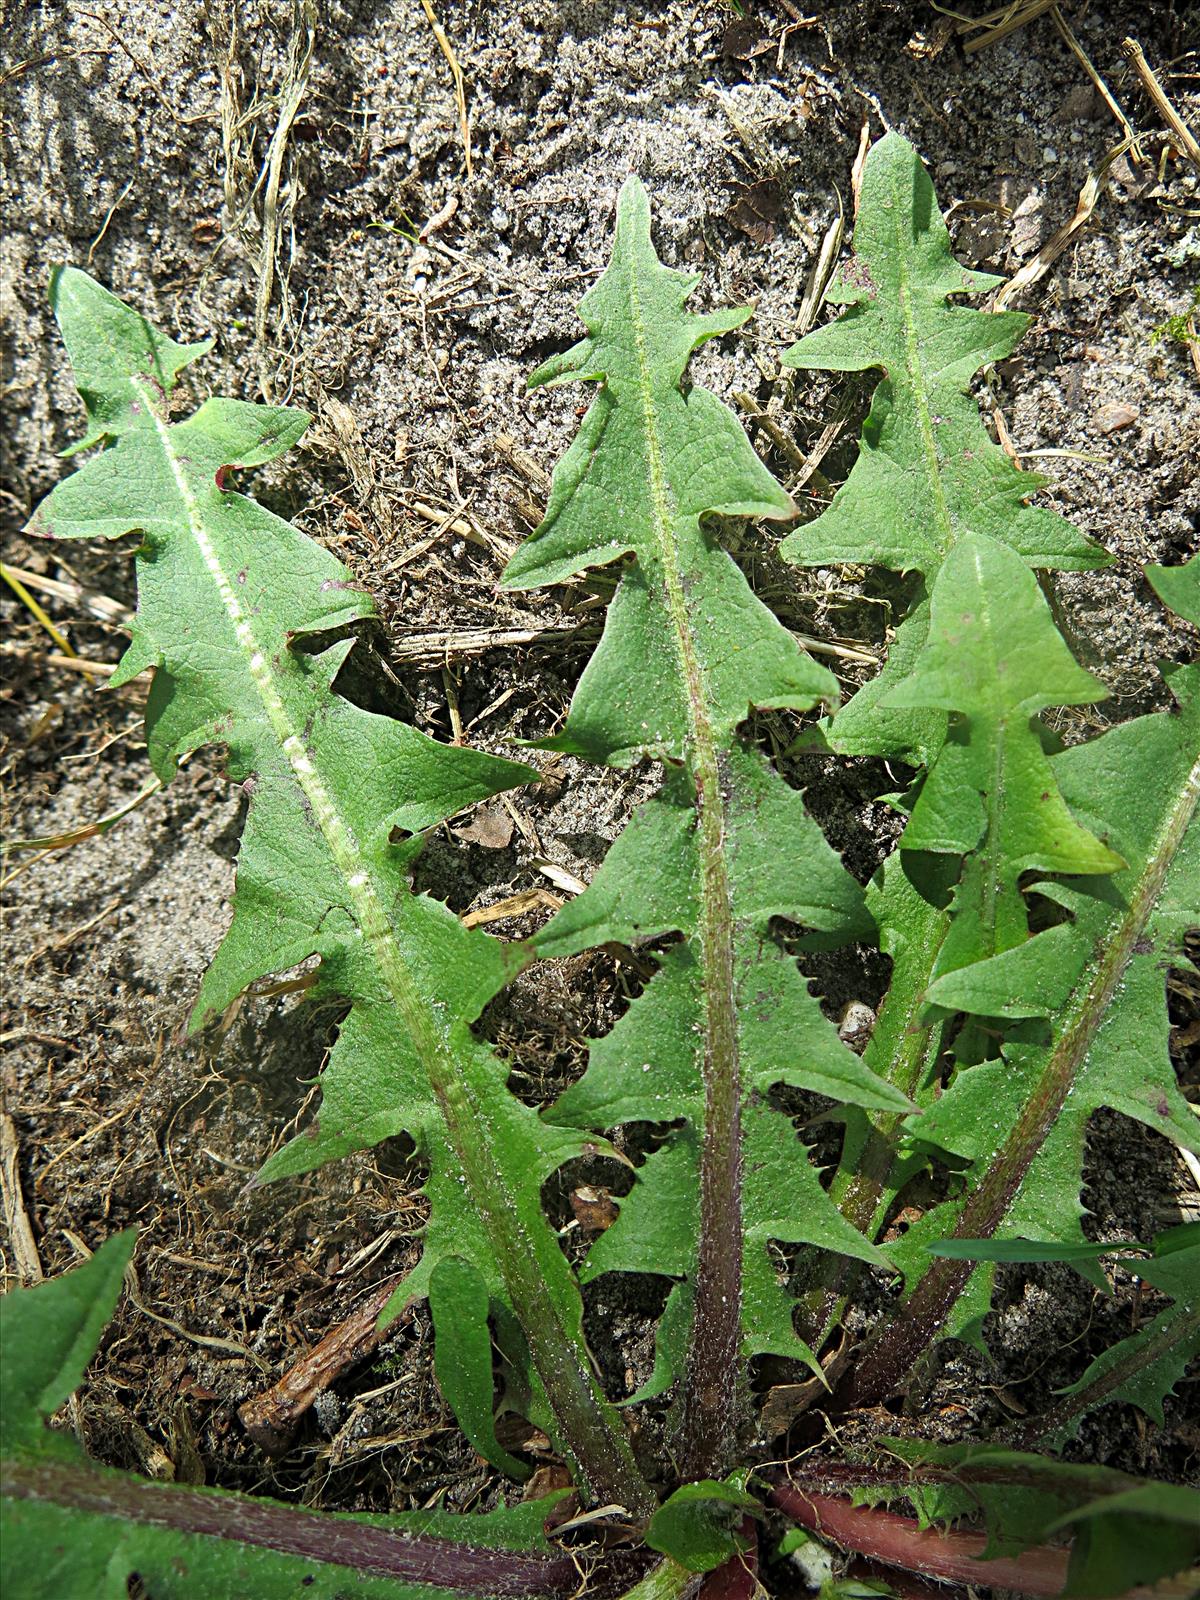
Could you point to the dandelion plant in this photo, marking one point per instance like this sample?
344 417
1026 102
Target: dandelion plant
687 652
227 595
1036 899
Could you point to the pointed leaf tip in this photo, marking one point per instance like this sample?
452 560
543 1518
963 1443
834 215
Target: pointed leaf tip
633 205
124 367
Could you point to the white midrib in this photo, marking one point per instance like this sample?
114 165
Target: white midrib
344 848
557 1354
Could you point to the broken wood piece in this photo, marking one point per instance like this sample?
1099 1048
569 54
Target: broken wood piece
272 1417
24 1245
436 647
516 905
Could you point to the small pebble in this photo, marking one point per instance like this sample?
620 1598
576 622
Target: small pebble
1113 416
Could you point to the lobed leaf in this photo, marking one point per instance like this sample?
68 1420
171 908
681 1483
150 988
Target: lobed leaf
723 850
968 672
993 659
225 592
648 464
1019 1122
927 473
74 1528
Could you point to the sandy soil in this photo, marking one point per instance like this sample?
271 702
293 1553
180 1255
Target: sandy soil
408 303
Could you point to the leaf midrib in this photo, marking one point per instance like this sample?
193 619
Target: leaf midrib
916 374
710 1388
600 1450
89 1489
936 1293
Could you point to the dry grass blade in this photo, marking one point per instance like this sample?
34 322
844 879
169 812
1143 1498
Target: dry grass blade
998 24
514 905
460 88
304 33
64 841
1102 88
36 610
1182 135
822 271
100 605
1037 268
244 176
825 441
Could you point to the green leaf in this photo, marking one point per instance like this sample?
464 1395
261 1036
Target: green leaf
49 1333
225 590
994 659
1127 1531
458 1302
1019 1122
1121 1541
1179 588
988 814
686 653
927 473
698 1525
648 464
73 1528
931 493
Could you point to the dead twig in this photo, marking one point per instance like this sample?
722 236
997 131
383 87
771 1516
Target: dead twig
29 1263
451 522
433 649
71 663
787 446
513 905
272 1417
